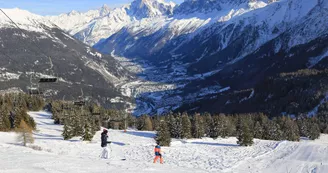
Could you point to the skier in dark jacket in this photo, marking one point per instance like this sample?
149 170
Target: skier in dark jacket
104 143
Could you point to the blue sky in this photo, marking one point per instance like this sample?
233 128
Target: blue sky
55 7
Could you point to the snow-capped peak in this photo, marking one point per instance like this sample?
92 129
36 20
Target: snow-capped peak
74 12
24 19
207 6
104 10
150 8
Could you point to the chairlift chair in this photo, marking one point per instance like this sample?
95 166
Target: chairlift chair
48 80
34 91
80 101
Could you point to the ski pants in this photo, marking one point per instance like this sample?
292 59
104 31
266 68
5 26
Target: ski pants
160 158
104 154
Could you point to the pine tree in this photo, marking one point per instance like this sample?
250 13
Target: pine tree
290 129
303 126
245 135
186 126
214 127
258 130
88 132
178 125
25 131
272 131
197 126
68 130
163 137
4 119
208 122
171 123
314 130
77 126
225 126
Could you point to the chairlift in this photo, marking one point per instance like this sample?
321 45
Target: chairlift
66 107
34 91
80 101
49 79
34 88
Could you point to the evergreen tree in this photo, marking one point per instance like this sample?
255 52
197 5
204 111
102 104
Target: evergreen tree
323 118
4 119
197 126
25 131
178 126
96 126
214 127
77 122
303 126
258 130
272 131
208 123
88 132
245 135
290 129
68 130
171 123
186 126
314 130
225 126
163 137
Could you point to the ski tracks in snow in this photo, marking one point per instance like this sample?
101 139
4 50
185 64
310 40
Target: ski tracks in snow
194 155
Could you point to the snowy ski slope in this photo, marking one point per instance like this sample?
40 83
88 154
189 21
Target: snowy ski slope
197 155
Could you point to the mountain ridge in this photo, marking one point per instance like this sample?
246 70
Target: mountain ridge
25 56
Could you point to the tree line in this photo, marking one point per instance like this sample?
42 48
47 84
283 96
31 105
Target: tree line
85 120
245 127
14 108
14 117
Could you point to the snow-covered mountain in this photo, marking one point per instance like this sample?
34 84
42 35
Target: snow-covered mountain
75 19
208 45
25 55
94 25
205 47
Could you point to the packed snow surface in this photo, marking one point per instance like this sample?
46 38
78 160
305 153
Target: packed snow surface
195 155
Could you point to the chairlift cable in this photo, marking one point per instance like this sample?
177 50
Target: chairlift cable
40 50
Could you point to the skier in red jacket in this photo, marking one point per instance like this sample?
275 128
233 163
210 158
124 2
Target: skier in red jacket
158 154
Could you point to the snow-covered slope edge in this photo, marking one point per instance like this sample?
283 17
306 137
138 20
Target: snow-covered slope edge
208 155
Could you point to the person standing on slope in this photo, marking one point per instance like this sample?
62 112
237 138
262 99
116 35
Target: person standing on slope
158 154
104 143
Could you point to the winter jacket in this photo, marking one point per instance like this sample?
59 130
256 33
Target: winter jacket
158 150
104 139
